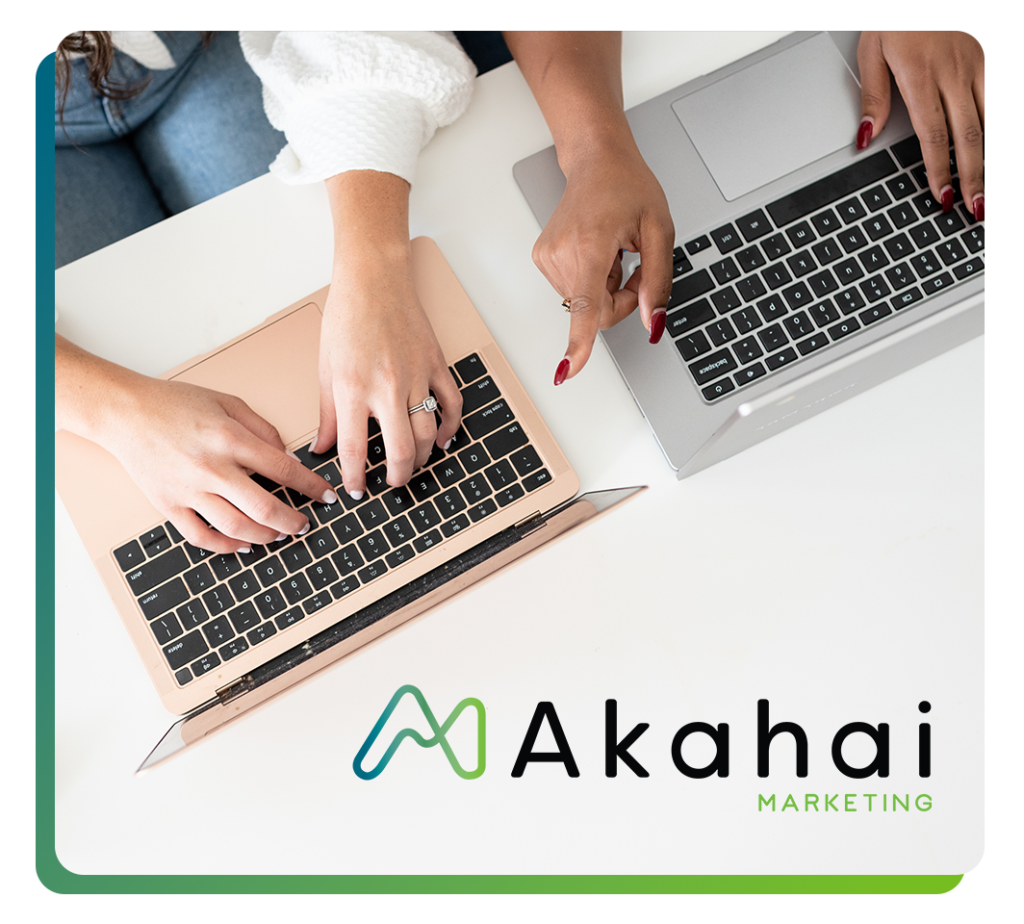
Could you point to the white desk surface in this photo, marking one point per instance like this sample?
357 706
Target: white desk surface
835 569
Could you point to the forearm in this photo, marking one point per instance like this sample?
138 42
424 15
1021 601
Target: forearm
88 391
576 78
370 213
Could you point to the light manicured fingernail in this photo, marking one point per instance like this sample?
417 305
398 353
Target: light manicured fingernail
356 495
329 497
295 457
281 537
446 445
304 530
244 550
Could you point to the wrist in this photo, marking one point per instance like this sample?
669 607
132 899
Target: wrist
603 139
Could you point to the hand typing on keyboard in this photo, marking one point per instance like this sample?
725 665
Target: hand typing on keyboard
188 448
378 354
941 76
612 201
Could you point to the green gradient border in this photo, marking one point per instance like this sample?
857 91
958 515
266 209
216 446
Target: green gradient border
57 878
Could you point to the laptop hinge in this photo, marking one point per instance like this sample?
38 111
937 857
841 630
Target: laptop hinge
236 688
527 525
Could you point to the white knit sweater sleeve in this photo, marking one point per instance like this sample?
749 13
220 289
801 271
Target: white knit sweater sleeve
357 100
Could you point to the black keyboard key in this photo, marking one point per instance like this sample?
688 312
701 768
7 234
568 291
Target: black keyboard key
711 367
270 571
750 259
951 252
344 586
782 358
924 234
324 513
429 539
826 223
485 508
223 566
348 560
772 307
721 332
297 588
372 514
376 452
377 479
205 664
776 276
900 276
746 320
832 188
313 460
244 617
199 579
797 296
747 350
399 556
823 313
843 329
530 483
166 628
501 474
936 283
800 264
750 374
680 263
877 227
156 571
451 527
185 649
798 325
974 239
875 288
908 151
197 555
218 600
908 297
399 531
346 529
690 287
424 517
726 238
496 414
899 247
473 458
470 368
852 239
448 472
948 224
130 556
686 319
900 186
373 570
261 633
218 631
288 618
449 503
827 251
717 389
776 246
322 542
321 575
192 614
332 476
851 210
166 597
876 198
725 271
254 554
697 245
297 556
902 215
726 300
873 259
506 439
693 345
183 676
372 545
972 266
423 485
800 234
750 288
848 271
772 338
397 501
812 343
849 300
481 392
475 489
753 226
269 602
243 585
926 204
874 313
506 496
233 648
155 541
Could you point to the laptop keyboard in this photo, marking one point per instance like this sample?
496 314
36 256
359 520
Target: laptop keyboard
205 608
816 267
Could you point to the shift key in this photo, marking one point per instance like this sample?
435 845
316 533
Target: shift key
157 570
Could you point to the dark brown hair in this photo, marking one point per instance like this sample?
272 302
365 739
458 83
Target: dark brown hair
98 50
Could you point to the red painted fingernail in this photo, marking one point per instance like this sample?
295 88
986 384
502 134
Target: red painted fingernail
946 196
979 208
562 371
657 325
864 134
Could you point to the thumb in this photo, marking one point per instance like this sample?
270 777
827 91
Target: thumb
875 88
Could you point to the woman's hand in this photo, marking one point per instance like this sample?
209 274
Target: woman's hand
378 353
189 449
612 202
941 76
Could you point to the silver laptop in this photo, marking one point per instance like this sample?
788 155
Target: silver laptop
805 271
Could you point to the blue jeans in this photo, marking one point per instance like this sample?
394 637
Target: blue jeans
196 131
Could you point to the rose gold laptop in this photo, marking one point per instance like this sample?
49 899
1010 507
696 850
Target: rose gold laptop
221 634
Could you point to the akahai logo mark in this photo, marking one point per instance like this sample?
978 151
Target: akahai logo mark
440 731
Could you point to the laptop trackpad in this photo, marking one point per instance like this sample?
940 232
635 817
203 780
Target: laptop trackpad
773 117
